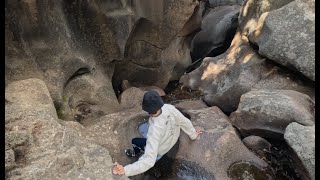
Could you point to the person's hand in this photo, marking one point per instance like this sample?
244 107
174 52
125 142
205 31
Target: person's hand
118 169
199 131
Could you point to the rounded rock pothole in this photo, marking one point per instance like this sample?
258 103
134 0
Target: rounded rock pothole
248 171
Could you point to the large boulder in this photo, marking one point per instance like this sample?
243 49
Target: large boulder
223 79
42 146
218 147
302 141
294 49
217 27
190 105
131 97
251 11
267 113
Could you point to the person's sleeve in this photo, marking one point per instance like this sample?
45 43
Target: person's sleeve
186 125
148 159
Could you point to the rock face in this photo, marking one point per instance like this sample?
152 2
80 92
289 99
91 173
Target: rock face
302 141
218 146
42 147
74 46
223 79
154 53
41 43
217 28
267 113
295 50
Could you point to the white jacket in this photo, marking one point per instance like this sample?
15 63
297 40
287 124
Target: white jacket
163 133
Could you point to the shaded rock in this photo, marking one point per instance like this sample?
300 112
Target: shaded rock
176 58
223 79
194 22
190 105
267 113
125 85
158 33
251 11
154 66
155 88
256 143
149 9
99 28
131 97
302 140
218 146
277 44
43 147
217 27
216 3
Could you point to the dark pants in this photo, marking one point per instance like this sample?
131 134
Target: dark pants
138 145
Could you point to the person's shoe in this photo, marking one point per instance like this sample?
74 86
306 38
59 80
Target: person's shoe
130 153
